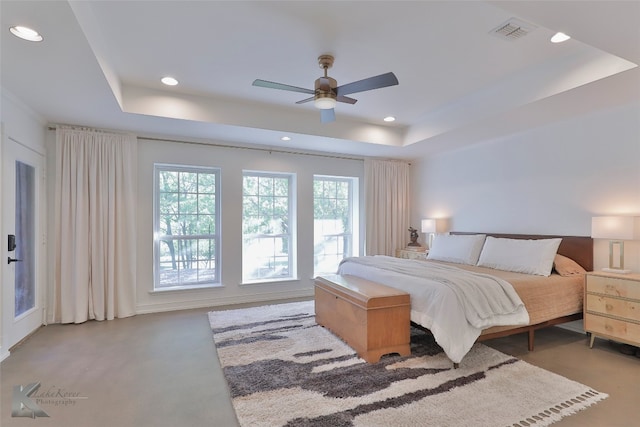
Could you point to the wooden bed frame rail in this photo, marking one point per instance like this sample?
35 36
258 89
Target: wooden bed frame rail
530 329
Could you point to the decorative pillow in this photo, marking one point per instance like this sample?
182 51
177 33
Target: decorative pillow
519 255
566 266
456 248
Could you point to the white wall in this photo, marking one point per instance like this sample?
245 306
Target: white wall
232 162
549 180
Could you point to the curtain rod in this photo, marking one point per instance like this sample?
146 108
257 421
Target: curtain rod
270 150
87 128
209 144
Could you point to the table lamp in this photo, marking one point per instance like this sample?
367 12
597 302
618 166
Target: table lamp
616 229
429 228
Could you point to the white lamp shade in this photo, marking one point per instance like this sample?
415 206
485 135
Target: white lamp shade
428 225
615 227
325 103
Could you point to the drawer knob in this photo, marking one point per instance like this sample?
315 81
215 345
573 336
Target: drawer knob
609 307
611 289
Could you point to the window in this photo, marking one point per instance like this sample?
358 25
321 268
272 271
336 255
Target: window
334 221
267 227
186 224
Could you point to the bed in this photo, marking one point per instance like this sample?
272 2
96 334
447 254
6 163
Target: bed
545 299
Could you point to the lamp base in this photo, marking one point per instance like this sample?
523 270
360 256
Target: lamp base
616 270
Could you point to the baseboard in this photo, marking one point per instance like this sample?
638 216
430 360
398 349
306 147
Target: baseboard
216 302
3 354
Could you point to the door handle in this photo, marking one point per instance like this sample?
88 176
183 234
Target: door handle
10 260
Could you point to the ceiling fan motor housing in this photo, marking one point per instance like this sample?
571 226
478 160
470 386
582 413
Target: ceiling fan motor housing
323 90
325 96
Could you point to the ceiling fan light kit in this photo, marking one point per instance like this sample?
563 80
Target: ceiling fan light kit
327 93
325 102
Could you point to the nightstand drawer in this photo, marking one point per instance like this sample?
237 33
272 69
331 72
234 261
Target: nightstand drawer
613 286
613 328
615 307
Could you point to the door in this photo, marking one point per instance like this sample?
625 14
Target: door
23 260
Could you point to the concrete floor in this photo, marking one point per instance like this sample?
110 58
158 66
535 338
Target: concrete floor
162 370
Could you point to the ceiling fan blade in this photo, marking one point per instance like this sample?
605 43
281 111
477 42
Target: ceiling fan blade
328 115
273 85
346 99
306 100
377 82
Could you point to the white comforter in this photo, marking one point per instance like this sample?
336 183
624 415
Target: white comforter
454 304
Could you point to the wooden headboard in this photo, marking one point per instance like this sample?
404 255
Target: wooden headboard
578 248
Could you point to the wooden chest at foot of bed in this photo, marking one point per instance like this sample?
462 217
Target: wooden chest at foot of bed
373 319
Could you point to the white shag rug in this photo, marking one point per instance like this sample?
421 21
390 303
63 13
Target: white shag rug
285 370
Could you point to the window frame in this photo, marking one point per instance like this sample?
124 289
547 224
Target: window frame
353 199
290 235
216 237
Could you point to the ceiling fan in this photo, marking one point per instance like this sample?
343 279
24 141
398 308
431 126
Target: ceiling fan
327 92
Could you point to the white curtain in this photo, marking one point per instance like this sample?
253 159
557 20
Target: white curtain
387 202
95 217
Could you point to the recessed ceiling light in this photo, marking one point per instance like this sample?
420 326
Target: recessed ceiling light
559 38
389 119
285 138
26 33
169 81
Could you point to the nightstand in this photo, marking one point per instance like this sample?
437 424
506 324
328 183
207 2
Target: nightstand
418 253
612 307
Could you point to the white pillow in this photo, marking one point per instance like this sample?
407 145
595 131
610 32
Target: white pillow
457 248
519 255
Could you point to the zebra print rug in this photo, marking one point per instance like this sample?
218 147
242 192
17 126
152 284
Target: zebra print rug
284 370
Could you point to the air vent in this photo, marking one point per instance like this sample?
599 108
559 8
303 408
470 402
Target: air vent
513 29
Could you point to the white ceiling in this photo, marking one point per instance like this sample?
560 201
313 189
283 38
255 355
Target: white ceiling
101 62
